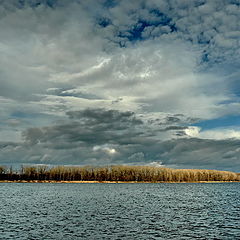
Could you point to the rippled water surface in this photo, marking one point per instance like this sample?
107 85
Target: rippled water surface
119 211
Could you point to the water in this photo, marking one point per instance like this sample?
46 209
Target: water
119 211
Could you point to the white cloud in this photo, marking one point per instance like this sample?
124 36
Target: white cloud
215 133
105 148
220 133
192 131
156 164
150 76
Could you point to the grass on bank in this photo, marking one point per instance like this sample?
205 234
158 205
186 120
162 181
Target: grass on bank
114 173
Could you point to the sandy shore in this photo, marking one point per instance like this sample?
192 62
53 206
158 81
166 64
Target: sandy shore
53 181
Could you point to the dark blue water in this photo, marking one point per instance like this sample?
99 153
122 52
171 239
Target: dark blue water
119 211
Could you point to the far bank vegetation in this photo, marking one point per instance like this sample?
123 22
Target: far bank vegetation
114 173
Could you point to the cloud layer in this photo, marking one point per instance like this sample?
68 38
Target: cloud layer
123 82
100 136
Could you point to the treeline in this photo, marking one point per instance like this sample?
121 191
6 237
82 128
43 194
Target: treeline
114 173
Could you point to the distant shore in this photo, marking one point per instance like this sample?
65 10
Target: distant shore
114 174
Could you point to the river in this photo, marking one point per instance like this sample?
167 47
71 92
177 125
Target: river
119 211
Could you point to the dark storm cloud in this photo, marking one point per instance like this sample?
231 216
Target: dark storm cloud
174 128
92 126
101 126
99 116
171 119
8 144
202 153
89 136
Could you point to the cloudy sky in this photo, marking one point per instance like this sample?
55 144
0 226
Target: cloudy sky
102 82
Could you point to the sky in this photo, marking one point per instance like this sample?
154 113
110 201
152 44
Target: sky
103 82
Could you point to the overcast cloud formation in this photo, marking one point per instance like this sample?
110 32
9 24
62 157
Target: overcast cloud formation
119 82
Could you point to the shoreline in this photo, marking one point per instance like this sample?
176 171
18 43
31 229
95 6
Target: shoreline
93 181
114 174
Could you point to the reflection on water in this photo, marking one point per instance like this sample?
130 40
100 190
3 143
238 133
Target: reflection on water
120 211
